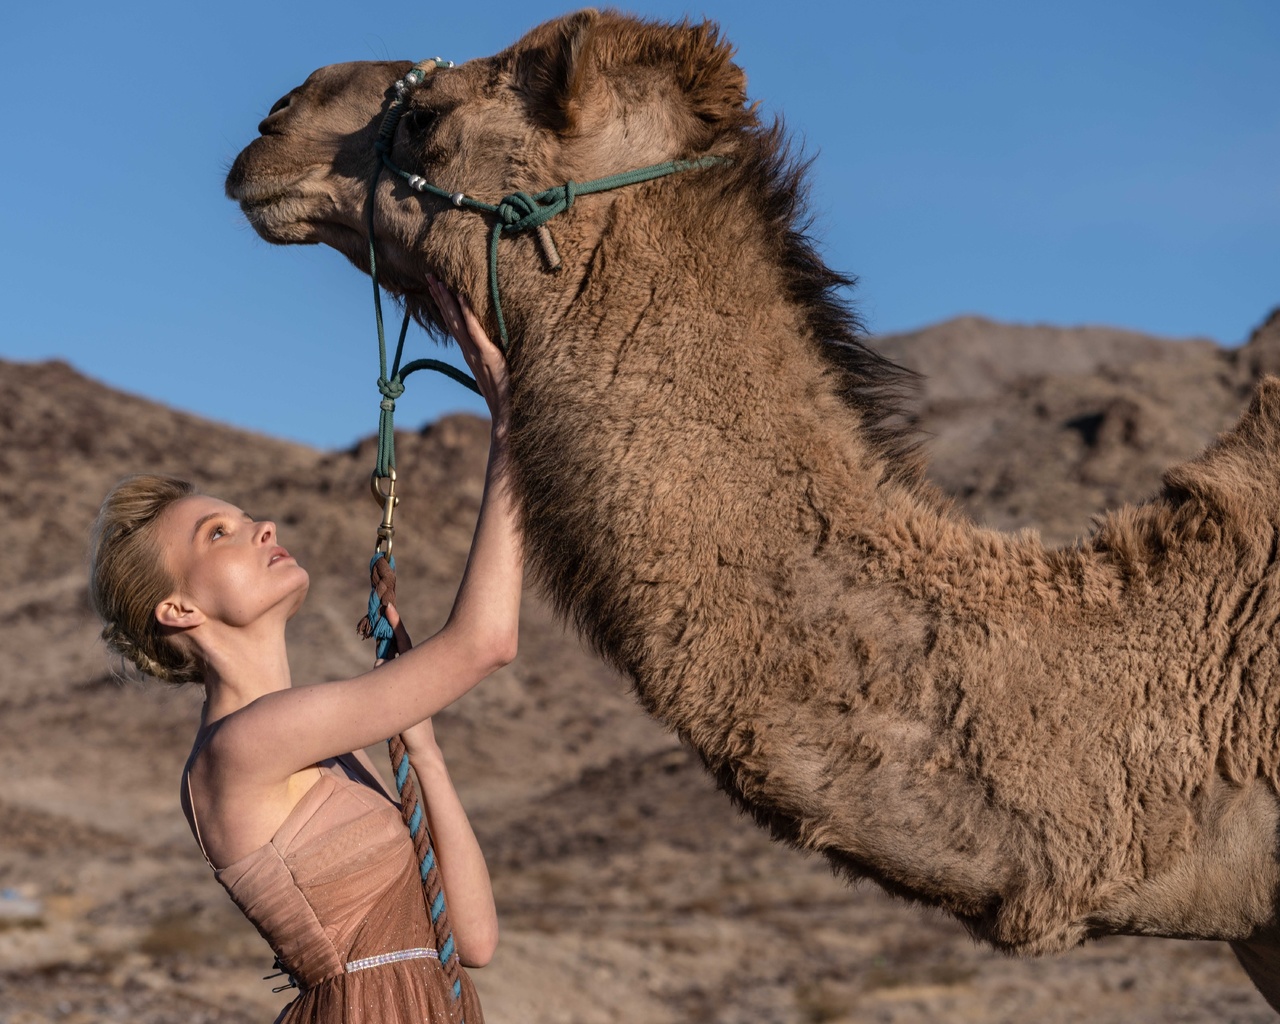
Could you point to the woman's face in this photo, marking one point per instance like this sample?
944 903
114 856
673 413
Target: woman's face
228 567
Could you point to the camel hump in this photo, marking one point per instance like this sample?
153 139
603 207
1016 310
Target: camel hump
1266 402
1258 432
1236 480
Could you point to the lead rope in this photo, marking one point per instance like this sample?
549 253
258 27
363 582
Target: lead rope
412 810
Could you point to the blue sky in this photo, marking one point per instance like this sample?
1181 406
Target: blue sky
1085 163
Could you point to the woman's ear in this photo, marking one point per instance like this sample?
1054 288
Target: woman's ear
177 612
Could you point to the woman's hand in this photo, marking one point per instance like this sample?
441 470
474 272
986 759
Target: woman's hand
488 364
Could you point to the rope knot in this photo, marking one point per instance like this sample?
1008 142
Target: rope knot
521 211
390 389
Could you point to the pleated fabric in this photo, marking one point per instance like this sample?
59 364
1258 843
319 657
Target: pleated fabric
337 895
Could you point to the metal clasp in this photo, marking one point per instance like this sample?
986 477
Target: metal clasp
281 970
388 500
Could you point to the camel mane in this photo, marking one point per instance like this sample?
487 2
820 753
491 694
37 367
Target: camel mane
873 385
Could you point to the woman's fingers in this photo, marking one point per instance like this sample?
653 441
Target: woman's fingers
403 643
483 357
459 318
452 311
485 350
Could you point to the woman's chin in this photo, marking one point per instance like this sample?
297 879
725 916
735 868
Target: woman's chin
300 595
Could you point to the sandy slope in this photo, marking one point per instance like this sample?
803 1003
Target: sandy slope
629 889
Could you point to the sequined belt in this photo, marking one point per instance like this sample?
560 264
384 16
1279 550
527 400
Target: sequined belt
422 953
351 966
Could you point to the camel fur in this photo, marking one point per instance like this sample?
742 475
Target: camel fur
1051 745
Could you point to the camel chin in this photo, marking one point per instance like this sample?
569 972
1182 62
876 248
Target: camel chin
297 213
274 225
717 490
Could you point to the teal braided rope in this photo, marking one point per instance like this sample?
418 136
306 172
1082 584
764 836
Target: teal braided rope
411 810
379 628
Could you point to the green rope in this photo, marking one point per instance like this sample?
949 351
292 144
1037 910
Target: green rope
522 211
391 386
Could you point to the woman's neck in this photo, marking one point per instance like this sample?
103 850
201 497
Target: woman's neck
241 665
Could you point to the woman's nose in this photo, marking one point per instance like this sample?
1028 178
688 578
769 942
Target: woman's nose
266 531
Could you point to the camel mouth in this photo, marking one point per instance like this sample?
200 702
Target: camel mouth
285 209
280 218
254 186
292 213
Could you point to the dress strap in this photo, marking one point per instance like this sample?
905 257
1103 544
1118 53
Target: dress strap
355 770
195 825
191 804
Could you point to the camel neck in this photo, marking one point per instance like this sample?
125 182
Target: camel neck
672 471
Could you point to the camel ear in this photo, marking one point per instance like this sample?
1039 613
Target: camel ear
553 68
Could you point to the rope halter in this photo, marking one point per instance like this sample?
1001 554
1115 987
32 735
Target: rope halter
519 211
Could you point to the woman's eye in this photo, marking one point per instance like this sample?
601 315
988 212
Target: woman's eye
218 531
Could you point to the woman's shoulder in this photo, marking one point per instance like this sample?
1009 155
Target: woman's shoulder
234 739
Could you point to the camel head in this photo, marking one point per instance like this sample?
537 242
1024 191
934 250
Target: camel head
578 98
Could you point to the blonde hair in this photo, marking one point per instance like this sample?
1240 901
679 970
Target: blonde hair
128 578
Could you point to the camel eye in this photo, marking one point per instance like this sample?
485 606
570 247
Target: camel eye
418 121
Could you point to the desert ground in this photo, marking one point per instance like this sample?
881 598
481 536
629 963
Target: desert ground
628 888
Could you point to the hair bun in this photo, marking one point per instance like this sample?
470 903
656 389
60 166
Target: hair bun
119 641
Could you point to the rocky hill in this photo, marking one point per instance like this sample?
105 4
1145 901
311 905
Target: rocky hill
629 889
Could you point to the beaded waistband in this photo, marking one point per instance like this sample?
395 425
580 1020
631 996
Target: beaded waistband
422 953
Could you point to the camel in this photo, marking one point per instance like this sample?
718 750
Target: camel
716 490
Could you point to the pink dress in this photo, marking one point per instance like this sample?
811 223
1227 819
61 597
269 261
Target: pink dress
336 893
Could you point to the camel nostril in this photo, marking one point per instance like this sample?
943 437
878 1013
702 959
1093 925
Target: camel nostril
279 107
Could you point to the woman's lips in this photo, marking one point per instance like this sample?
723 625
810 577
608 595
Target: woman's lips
277 554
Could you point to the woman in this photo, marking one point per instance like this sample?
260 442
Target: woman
277 791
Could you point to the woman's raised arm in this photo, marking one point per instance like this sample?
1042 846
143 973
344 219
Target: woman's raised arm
284 731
